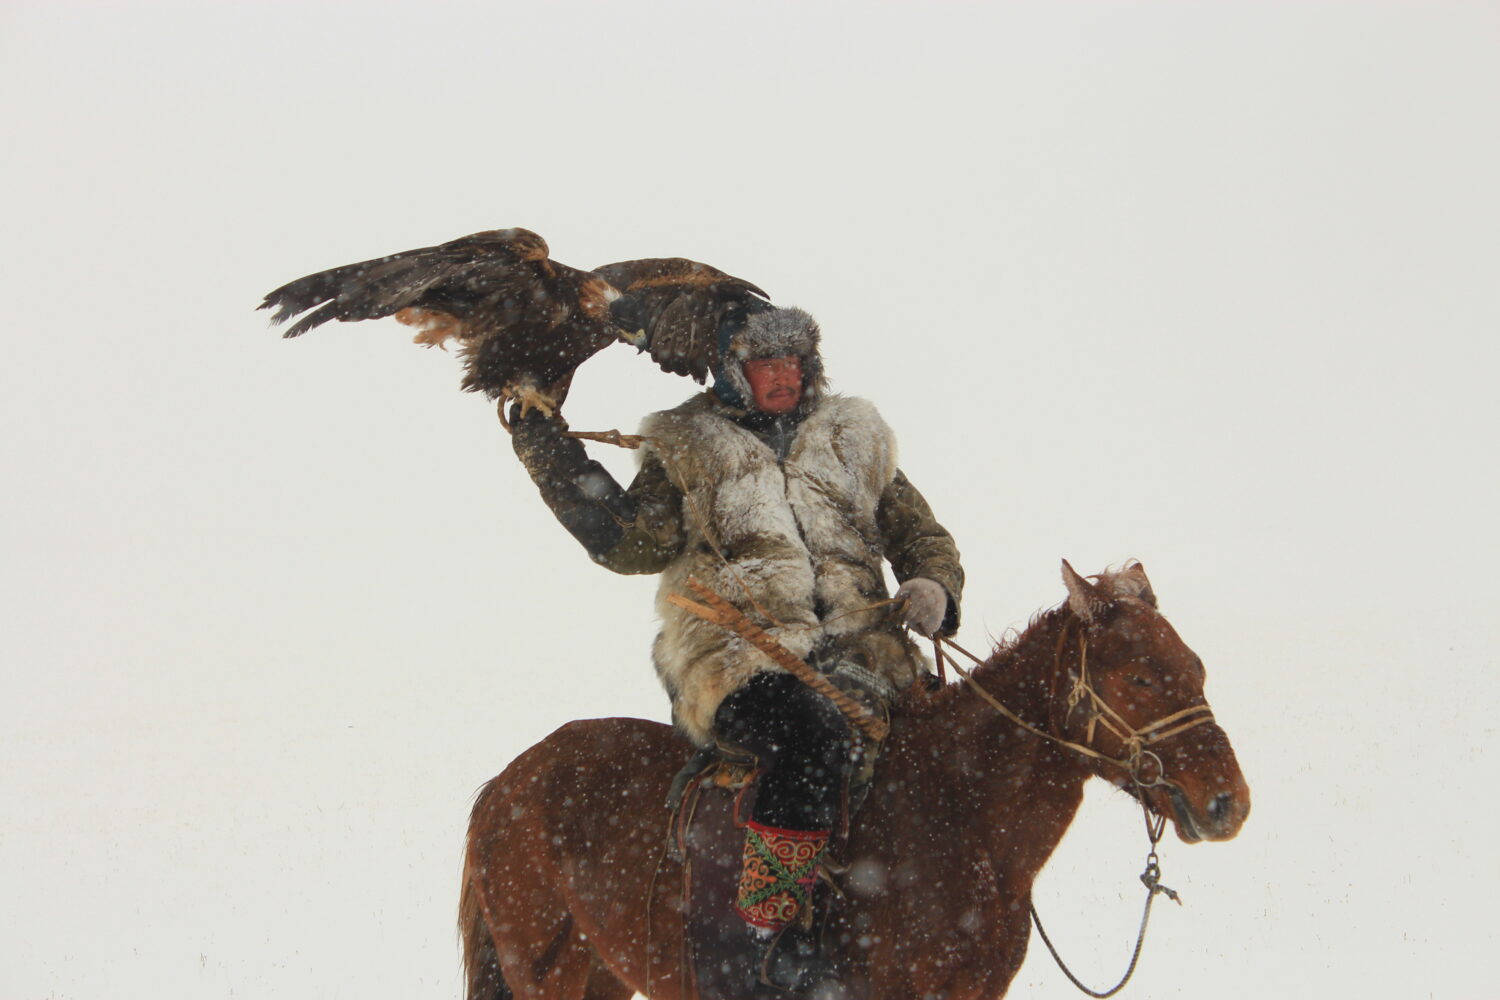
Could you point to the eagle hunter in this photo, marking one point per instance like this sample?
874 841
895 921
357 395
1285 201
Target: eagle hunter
524 322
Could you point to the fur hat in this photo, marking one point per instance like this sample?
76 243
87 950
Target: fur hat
771 332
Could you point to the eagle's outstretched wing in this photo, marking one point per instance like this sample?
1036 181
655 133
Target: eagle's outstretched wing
525 322
454 277
672 307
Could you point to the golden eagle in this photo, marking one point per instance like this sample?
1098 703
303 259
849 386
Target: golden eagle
525 322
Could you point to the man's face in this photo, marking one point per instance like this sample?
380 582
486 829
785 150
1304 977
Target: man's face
776 383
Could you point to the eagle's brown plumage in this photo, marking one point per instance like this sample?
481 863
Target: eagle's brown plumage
525 322
679 303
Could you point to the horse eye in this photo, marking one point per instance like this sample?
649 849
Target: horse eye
1140 681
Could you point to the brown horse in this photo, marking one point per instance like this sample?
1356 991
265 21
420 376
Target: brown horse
570 891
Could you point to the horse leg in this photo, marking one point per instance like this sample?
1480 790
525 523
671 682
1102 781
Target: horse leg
544 959
560 969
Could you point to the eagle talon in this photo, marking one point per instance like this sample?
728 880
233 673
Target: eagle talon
534 399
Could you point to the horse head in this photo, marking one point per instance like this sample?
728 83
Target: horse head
1132 691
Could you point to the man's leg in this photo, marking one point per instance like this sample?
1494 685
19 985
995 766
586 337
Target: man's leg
804 746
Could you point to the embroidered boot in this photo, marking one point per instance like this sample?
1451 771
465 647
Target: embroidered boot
780 869
776 898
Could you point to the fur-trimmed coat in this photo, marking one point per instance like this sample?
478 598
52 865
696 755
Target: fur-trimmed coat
796 544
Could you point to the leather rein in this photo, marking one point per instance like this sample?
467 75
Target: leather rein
1137 740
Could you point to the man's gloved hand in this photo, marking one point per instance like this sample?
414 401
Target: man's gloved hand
926 604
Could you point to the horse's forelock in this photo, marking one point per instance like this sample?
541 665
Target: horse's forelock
1128 581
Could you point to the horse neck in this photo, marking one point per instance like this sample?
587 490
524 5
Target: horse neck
1018 791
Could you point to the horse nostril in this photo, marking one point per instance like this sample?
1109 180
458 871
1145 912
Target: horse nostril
1218 807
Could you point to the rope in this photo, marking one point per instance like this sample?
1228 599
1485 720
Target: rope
720 612
651 903
998 706
1136 741
1151 879
1135 955
940 660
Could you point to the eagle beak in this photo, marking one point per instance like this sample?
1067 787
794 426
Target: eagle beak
636 339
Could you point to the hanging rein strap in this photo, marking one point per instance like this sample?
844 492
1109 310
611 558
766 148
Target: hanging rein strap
1136 741
1151 879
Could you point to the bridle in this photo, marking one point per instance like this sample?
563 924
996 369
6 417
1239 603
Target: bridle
1137 741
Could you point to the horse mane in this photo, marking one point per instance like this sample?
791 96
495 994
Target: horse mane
920 701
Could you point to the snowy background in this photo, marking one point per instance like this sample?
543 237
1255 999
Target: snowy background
1209 285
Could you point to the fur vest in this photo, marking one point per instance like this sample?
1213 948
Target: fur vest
794 544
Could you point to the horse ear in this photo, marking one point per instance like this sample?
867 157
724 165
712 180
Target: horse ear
1131 582
1083 597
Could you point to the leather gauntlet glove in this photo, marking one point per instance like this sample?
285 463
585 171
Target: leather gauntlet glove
580 492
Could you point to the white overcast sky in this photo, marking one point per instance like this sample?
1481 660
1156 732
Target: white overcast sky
1212 285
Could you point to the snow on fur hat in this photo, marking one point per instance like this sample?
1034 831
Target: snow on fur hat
770 332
